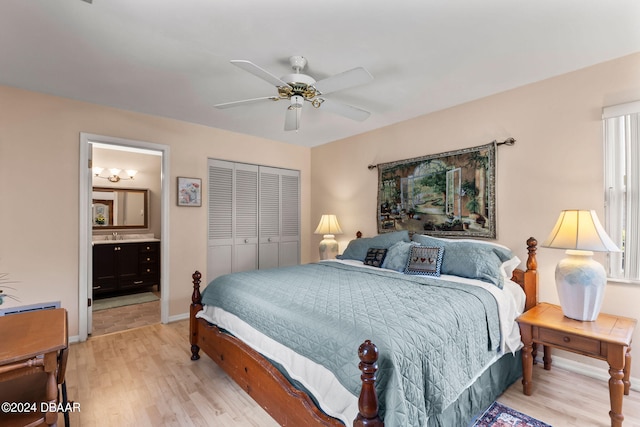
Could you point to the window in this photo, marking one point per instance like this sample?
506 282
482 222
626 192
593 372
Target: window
622 184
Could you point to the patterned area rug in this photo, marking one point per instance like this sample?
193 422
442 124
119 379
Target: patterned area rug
499 415
103 304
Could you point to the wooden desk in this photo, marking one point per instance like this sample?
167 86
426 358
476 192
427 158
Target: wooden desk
607 338
31 345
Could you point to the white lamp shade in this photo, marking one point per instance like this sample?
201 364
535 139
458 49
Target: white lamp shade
328 225
580 230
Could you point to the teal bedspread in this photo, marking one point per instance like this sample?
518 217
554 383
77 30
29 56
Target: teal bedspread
433 336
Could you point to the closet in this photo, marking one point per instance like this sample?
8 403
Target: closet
254 217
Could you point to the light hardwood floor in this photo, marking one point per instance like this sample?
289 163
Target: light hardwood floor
128 317
144 377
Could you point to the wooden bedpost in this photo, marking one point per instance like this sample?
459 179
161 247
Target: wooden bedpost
528 279
531 275
368 400
196 306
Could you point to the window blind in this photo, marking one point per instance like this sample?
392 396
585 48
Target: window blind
622 183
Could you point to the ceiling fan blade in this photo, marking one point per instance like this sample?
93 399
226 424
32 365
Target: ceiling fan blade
349 111
259 72
245 101
344 80
292 119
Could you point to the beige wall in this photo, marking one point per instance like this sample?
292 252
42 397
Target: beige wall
555 164
39 189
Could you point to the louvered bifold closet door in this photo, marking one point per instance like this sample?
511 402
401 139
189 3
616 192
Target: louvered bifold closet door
254 217
220 242
279 217
289 218
246 217
268 253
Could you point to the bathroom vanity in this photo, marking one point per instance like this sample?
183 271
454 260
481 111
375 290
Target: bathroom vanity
123 262
125 266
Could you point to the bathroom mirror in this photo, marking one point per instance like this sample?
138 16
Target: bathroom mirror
119 208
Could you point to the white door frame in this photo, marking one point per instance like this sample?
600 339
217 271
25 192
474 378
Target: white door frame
85 278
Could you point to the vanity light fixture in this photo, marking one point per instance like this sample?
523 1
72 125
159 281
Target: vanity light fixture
115 174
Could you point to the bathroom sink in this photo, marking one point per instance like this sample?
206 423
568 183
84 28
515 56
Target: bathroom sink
144 236
124 238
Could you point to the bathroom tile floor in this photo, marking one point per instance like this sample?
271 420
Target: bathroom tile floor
127 317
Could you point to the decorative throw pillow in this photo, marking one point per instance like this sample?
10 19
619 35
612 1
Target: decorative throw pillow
375 257
425 260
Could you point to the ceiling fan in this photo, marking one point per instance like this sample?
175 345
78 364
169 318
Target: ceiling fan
298 87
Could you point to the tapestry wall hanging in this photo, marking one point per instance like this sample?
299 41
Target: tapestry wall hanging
446 194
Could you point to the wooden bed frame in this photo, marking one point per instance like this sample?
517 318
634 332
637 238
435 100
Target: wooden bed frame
269 388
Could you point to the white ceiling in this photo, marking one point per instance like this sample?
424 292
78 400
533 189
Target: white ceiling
171 57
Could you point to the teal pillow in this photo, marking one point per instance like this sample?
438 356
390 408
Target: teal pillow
472 259
397 256
357 248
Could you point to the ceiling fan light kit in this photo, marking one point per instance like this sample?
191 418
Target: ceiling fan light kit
296 101
298 87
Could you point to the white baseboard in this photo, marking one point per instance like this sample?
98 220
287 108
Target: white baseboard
178 317
588 370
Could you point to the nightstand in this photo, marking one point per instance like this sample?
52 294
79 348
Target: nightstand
607 338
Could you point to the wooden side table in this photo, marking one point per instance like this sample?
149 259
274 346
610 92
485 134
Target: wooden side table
607 338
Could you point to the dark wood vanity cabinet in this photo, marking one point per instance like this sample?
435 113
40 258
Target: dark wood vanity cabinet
149 264
125 267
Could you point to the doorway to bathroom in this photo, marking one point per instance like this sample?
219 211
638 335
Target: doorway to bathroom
124 234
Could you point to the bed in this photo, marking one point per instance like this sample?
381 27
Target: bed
350 355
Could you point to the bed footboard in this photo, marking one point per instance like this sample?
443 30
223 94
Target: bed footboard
266 385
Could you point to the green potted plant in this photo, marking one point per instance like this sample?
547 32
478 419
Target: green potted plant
3 287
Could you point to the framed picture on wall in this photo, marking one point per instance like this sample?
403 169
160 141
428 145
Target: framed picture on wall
189 191
447 194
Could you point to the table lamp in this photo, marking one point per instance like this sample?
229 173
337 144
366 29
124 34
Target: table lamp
329 227
580 280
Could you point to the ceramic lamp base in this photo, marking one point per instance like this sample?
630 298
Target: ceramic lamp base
328 247
580 282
